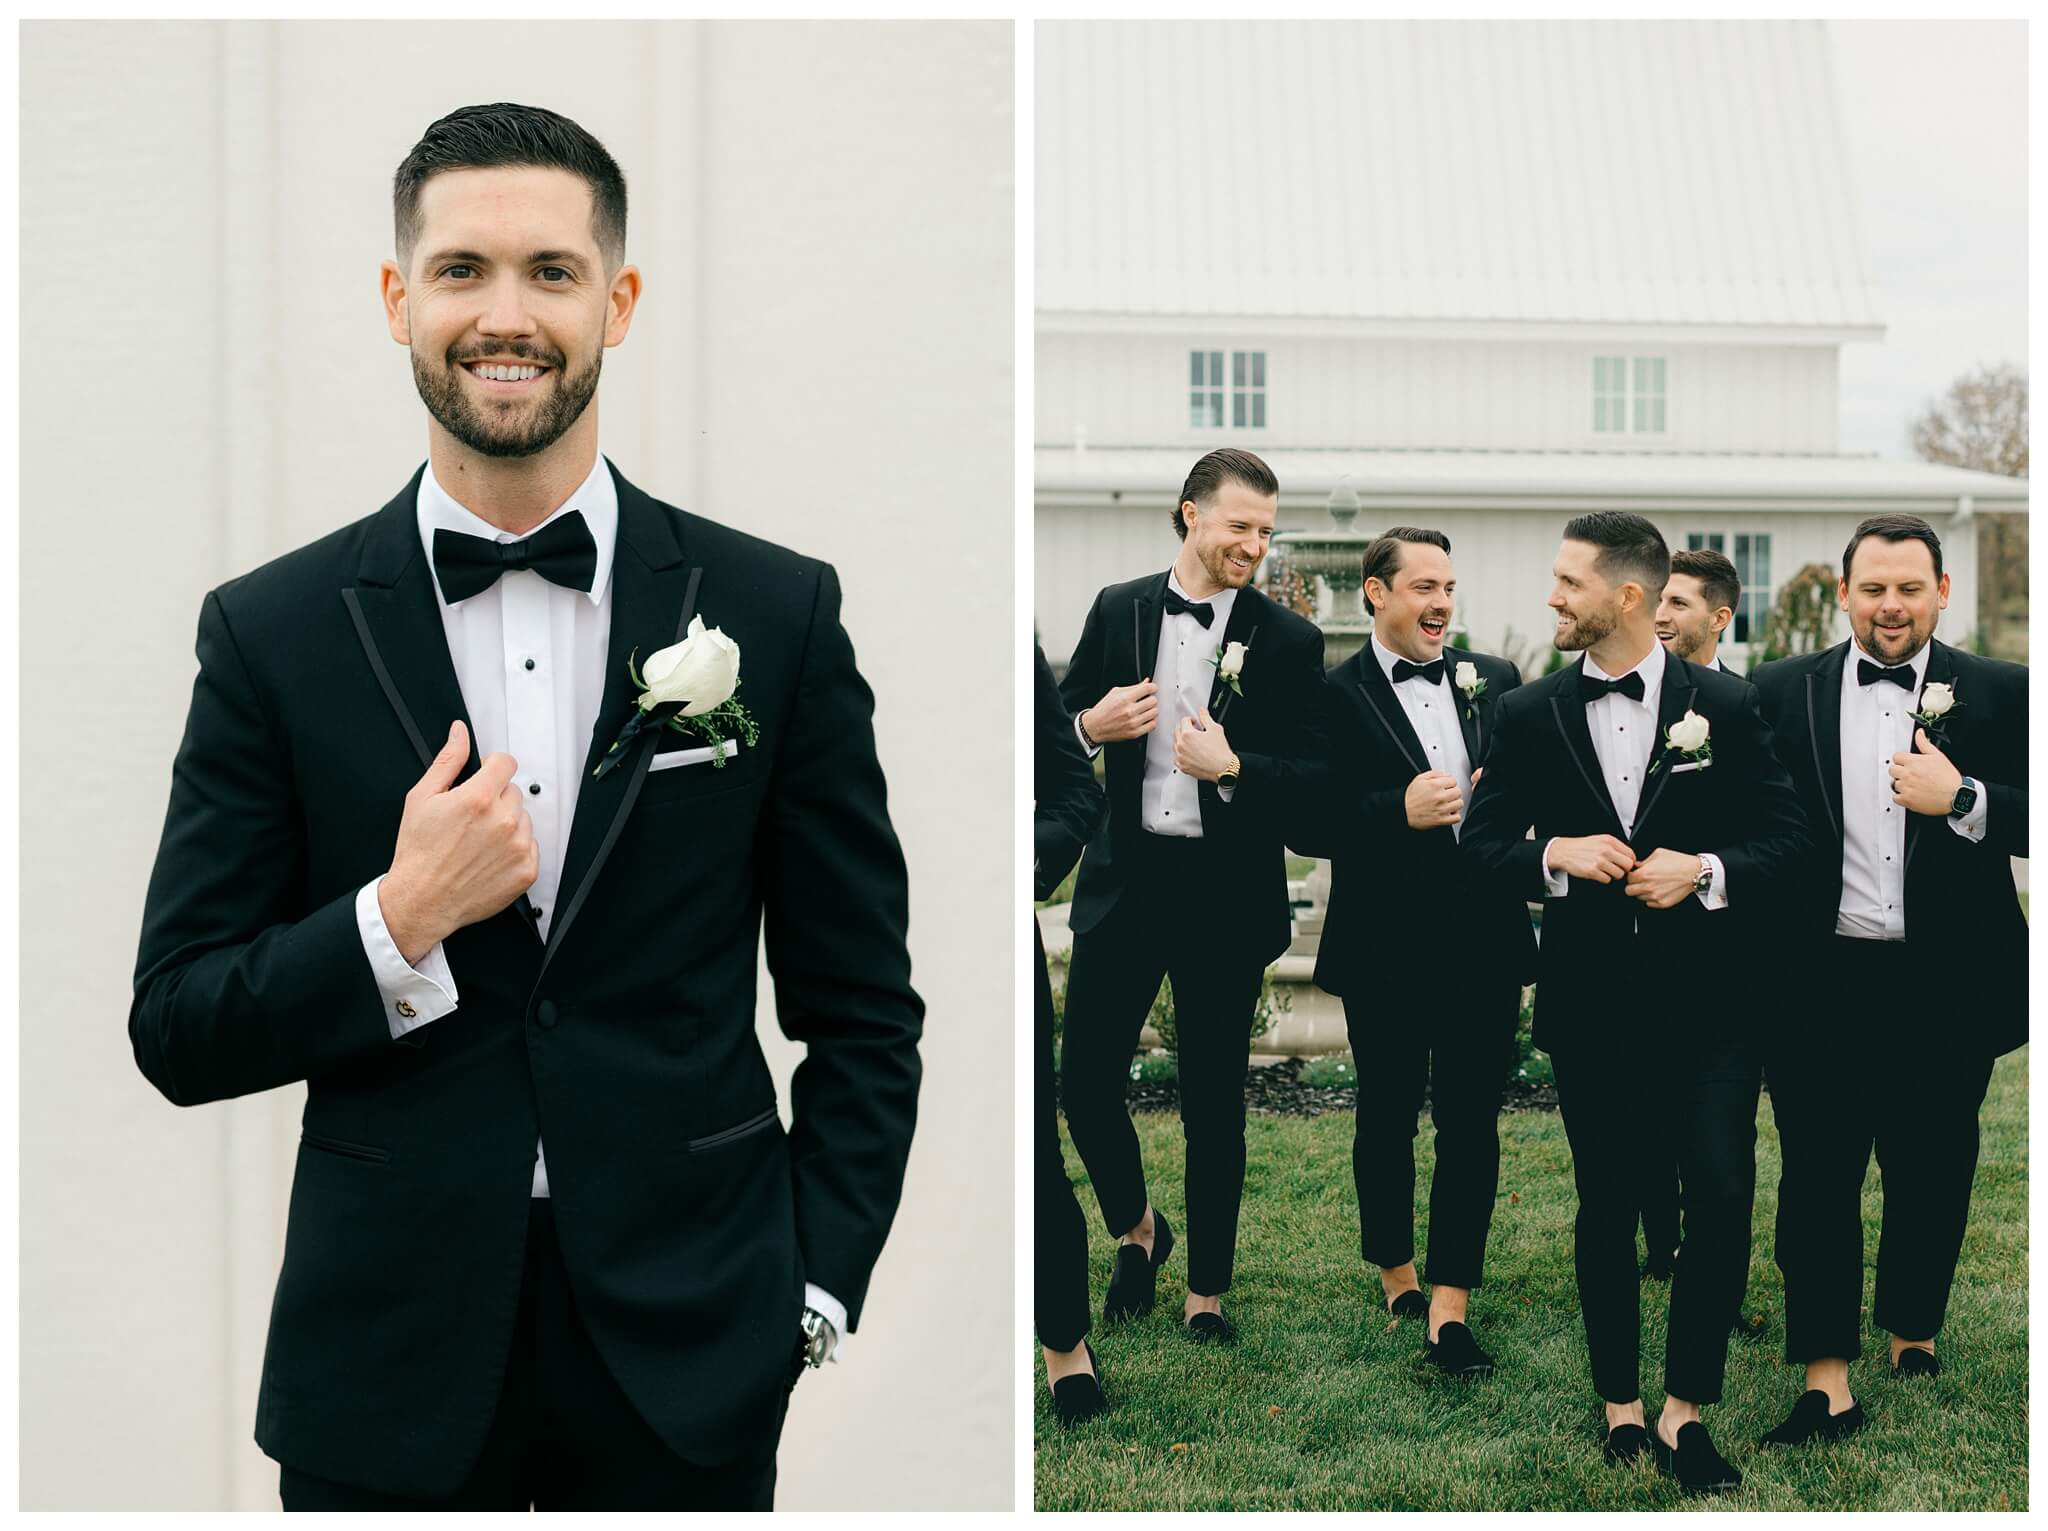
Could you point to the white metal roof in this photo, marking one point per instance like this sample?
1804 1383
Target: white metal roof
1510 479
1579 172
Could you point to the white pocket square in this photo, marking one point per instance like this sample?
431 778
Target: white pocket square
1691 765
689 757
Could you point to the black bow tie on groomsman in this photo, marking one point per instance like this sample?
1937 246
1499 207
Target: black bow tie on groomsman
1201 611
1431 672
562 552
1592 687
1868 674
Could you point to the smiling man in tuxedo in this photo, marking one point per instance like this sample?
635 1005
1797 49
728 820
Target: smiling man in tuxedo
1911 757
1657 802
1206 695
548 1243
1410 721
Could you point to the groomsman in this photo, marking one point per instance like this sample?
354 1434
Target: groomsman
1066 807
1911 757
1430 1000
1698 605
1205 695
1656 802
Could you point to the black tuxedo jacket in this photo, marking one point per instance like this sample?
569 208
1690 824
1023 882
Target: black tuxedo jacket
688 1221
1381 870
1960 899
1067 801
1274 726
1599 945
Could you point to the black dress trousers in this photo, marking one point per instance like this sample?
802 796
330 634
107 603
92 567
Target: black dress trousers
564 1436
1631 1094
1456 1041
1161 927
1865 1061
1059 1286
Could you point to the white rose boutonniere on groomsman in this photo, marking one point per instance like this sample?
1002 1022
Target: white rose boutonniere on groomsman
1230 664
1690 737
1937 701
1467 680
698 678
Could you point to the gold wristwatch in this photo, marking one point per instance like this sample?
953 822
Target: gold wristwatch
1230 773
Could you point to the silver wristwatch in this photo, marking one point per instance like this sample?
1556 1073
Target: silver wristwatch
817 1337
1705 880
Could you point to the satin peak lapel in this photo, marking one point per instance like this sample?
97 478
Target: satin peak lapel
1570 713
1378 693
1677 697
1147 612
1940 672
654 595
1824 730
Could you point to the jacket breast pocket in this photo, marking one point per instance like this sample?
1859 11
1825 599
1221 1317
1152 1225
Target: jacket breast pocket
686 775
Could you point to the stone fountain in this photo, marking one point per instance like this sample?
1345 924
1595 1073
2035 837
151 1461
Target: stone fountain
1334 559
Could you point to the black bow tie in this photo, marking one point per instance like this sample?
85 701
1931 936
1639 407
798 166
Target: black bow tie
1868 674
563 552
1201 611
1592 687
1431 672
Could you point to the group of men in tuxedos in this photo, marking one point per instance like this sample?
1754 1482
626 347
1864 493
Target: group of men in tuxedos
1844 818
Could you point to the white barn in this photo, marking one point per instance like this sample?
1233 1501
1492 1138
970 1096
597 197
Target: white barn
1482 275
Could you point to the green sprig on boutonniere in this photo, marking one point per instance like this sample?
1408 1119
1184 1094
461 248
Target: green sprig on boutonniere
693 688
1229 662
1690 737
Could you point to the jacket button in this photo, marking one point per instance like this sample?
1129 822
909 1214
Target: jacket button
546 1013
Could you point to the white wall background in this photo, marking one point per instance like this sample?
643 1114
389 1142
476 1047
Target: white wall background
822 356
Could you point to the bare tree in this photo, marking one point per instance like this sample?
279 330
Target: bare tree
1981 423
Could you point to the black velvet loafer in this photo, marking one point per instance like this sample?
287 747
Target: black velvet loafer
1132 1284
1212 1329
1624 1444
1811 1421
1079 1397
1694 1462
1410 1304
1917 1363
1456 1353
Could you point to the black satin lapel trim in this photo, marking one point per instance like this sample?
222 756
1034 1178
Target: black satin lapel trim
1570 713
640 598
1939 672
1403 735
1824 729
1669 711
1147 612
401 626
1475 735
1243 627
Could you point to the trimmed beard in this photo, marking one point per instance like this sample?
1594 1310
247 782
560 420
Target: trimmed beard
1586 631
474 428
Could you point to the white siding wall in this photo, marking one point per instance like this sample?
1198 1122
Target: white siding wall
1502 556
1500 395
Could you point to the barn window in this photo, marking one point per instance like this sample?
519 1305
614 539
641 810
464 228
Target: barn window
1245 396
1750 552
1629 395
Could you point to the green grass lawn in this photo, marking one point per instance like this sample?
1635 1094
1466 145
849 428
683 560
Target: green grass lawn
1322 1406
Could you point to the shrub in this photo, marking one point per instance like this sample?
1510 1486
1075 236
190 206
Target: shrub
1266 1012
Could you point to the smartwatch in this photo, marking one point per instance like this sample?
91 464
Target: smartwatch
1964 800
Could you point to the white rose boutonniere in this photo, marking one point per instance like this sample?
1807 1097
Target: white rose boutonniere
1937 701
1466 679
1230 664
1692 737
691 687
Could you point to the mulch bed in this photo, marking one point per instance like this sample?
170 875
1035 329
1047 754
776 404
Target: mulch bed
1276 1089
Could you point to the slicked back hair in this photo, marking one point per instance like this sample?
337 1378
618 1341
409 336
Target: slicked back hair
1893 528
1382 559
1210 474
1631 548
484 137
1718 584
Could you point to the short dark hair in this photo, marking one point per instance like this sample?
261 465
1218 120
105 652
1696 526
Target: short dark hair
482 137
1715 573
1382 559
1209 475
1893 528
1630 547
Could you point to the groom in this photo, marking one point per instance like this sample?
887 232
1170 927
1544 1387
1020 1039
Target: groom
1205 694
1657 804
549 1243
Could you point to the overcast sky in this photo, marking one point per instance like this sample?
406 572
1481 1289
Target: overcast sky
1935 113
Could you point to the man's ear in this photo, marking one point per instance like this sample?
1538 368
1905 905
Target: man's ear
1722 617
391 283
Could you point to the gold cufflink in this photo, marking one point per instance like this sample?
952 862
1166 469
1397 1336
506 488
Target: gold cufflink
405 1009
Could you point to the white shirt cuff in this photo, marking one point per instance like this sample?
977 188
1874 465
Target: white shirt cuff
1716 896
412 995
1555 884
835 1314
1971 825
1092 750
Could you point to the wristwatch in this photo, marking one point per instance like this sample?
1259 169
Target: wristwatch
1228 776
817 1337
1964 800
1705 880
